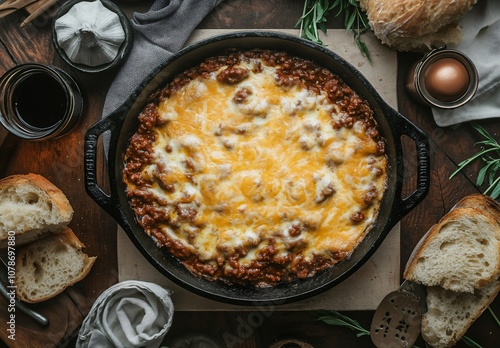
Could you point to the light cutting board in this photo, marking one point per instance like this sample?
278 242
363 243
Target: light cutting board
367 286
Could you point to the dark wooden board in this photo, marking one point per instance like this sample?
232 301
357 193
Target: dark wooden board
61 161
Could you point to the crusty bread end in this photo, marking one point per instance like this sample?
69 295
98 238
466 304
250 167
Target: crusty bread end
48 266
30 205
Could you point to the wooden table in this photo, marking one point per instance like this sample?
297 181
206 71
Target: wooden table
61 161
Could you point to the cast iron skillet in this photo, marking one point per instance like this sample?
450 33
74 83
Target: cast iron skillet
123 122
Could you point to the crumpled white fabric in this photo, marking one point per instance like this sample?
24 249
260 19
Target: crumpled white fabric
128 314
481 43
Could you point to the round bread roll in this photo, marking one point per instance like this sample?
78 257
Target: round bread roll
416 25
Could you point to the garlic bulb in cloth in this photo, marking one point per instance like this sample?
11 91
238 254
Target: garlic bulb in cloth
90 34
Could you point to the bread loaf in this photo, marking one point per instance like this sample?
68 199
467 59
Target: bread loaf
30 205
415 25
48 266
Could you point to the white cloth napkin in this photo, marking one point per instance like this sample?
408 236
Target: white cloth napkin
481 43
128 314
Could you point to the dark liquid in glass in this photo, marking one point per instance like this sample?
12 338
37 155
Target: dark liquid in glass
40 101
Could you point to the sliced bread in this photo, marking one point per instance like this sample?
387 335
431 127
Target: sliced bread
48 266
30 205
451 313
459 261
460 253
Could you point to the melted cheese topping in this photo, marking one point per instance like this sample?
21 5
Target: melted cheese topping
260 167
268 167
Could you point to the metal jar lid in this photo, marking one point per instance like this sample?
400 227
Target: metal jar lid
418 78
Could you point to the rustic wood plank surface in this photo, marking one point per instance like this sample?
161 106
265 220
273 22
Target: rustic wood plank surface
61 161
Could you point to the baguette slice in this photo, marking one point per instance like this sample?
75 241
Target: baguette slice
460 253
31 206
47 266
451 313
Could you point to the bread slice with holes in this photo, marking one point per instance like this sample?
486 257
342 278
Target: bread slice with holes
460 253
48 266
30 205
451 313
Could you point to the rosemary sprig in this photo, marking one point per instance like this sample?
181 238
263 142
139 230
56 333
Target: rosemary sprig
356 21
332 317
315 14
494 316
490 155
337 319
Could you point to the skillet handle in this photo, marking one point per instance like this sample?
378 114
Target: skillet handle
402 126
113 124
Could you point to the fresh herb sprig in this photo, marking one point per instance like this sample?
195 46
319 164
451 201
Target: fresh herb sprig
490 155
315 15
334 318
494 316
337 319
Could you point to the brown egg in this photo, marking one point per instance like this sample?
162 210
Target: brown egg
446 79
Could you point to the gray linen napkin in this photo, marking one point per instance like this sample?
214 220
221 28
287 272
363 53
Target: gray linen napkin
128 314
481 43
158 34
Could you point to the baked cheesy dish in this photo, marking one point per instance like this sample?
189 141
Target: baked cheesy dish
256 167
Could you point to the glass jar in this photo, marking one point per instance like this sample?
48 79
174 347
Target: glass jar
443 78
39 102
